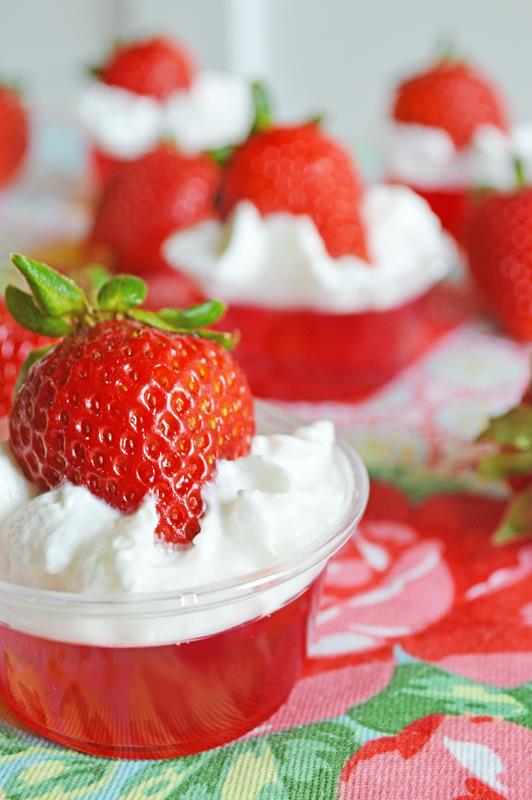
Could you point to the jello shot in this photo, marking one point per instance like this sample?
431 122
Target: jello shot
162 538
442 121
332 284
152 90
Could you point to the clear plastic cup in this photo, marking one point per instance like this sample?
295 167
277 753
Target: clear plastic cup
173 673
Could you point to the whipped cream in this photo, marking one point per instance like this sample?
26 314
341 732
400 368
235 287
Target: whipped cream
217 110
428 158
260 509
492 156
281 261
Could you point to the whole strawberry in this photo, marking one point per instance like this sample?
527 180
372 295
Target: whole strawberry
15 345
154 67
301 170
498 243
147 200
14 134
129 402
453 96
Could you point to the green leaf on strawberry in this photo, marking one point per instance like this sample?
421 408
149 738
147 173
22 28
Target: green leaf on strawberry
517 521
178 400
122 293
221 155
25 311
513 428
54 293
512 433
262 120
196 316
57 306
503 464
263 107
32 358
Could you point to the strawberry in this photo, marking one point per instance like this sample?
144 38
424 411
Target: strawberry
14 134
15 345
155 67
130 401
498 243
150 198
453 96
301 170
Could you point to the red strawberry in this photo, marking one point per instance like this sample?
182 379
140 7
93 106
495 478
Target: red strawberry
15 345
498 242
14 134
130 401
453 96
156 67
150 198
300 170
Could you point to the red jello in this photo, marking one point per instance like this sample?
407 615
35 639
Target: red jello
103 166
295 354
450 205
156 702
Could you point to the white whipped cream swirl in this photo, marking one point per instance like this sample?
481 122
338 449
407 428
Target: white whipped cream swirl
260 509
428 158
217 110
281 261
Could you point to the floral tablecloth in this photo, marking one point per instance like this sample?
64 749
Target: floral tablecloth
419 684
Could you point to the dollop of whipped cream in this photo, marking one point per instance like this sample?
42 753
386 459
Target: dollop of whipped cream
428 158
260 509
281 260
217 110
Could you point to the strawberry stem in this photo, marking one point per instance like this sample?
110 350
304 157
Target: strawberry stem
512 434
57 306
11 86
445 48
263 107
519 172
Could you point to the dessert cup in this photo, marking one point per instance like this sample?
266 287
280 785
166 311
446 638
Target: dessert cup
215 111
174 673
316 327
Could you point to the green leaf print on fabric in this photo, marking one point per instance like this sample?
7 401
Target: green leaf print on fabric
62 778
416 484
250 774
523 695
309 759
239 773
177 778
301 763
417 690
13 743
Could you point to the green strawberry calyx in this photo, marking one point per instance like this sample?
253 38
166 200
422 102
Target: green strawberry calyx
97 71
519 172
56 306
446 51
10 85
511 433
263 118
